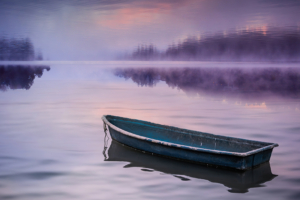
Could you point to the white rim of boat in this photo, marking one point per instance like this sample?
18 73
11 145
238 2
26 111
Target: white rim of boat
185 146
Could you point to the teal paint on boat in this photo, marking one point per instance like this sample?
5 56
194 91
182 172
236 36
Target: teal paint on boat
193 146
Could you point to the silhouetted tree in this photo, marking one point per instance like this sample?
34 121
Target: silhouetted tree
17 49
272 45
145 52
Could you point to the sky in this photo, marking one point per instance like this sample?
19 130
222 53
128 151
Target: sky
104 30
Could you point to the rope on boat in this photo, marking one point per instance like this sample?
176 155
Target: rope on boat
106 138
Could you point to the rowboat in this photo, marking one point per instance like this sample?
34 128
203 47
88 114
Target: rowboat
236 181
187 145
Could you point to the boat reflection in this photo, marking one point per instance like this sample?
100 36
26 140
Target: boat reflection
238 182
19 76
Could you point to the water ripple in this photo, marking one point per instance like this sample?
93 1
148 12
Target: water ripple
33 195
33 175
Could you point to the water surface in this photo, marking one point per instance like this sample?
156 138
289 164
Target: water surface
53 145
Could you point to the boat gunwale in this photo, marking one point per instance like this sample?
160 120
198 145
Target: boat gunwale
244 154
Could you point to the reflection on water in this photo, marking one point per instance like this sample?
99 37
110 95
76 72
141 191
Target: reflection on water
238 182
19 76
243 81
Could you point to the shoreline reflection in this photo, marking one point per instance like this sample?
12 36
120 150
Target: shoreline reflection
237 182
19 76
244 82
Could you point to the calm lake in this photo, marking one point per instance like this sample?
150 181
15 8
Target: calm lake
52 143
226 67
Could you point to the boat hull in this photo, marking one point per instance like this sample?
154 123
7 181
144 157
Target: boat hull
209 159
176 143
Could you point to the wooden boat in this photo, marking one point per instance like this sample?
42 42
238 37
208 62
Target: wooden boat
188 145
